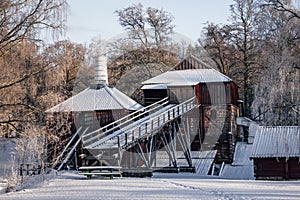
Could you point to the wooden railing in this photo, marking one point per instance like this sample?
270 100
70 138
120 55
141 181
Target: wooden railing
96 135
146 127
155 124
59 158
73 149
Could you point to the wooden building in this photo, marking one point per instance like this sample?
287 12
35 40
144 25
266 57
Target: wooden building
217 97
93 108
276 152
97 106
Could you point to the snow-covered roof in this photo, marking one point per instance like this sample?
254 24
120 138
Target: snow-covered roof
102 98
188 77
242 166
277 141
242 154
154 87
201 160
238 172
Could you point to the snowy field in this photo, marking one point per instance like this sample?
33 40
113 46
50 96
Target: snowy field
71 186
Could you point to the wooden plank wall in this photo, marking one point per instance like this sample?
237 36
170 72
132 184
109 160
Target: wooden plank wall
277 169
216 93
190 63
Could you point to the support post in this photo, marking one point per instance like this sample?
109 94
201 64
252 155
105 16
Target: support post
139 131
132 134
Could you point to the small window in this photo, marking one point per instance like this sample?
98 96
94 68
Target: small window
88 118
213 114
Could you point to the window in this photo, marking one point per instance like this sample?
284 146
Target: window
213 114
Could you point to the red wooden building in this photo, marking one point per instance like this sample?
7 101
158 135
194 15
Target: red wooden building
276 152
217 97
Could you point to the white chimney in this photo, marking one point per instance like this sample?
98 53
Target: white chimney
101 76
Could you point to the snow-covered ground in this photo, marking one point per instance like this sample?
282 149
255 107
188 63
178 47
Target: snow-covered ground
68 185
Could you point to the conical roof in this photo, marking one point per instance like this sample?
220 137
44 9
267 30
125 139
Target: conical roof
102 97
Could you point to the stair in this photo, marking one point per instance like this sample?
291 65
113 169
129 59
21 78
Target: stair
69 151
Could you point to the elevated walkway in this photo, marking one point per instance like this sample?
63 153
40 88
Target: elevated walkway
92 138
129 131
132 141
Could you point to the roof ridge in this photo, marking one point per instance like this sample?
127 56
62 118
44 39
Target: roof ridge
110 92
128 99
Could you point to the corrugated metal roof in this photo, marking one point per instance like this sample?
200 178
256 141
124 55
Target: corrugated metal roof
278 141
188 77
155 87
104 98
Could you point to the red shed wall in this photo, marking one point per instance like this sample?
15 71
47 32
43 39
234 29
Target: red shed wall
216 93
277 169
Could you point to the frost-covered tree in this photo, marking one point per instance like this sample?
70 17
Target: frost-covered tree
277 95
259 49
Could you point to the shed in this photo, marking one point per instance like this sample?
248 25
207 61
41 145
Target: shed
276 152
217 97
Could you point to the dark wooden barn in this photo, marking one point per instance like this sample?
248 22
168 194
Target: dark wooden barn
276 152
217 97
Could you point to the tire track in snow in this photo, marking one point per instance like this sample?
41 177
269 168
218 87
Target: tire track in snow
219 195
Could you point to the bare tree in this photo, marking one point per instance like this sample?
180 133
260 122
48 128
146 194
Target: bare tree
21 23
247 69
283 6
25 19
150 28
149 31
161 22
232 47
133 20
219 47
260 46
17 104
69 58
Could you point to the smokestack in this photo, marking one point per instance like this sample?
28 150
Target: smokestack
101 76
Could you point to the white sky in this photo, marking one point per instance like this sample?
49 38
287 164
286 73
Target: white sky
91 18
